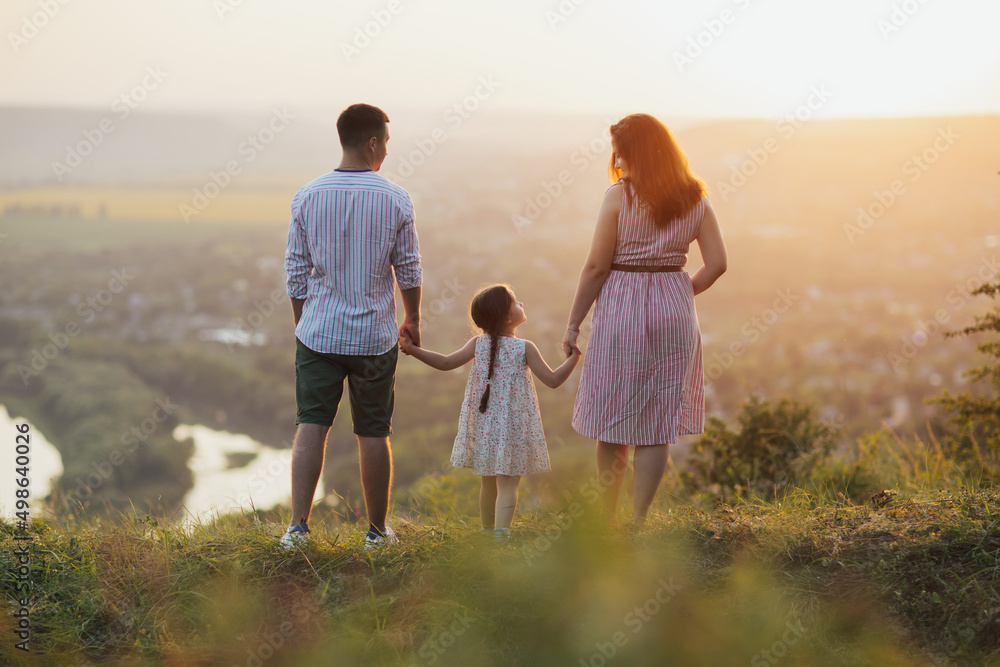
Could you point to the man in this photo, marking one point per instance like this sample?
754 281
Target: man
350 231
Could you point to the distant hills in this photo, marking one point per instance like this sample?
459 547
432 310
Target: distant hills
786 172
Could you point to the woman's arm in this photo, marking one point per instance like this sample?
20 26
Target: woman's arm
713 252
437 360
597 267
550 378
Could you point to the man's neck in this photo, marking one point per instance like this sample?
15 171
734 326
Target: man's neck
353 161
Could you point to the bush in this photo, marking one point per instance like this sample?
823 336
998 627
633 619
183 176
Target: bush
976 443
771 450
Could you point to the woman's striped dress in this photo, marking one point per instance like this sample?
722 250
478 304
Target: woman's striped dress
642 381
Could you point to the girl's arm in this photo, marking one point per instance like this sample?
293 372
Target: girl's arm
550 378
437 360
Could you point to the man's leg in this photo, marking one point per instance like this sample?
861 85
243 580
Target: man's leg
372 384
376 477
307 464
319 384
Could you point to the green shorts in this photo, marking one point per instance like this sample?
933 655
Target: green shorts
319 386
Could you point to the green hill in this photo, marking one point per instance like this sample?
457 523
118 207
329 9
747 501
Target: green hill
908 578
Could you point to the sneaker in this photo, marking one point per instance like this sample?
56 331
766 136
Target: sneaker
375 538
296 536
501 535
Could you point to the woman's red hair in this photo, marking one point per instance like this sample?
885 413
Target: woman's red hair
658 168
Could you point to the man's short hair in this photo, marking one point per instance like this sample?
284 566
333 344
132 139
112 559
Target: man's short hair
360 122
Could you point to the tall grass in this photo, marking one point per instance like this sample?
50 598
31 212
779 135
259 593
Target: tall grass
901 573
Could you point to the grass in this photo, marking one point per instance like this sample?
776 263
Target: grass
910 577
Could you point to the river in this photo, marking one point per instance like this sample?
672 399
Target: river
262 483
231 472
44 464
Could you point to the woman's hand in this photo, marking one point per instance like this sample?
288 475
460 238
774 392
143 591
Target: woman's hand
569 342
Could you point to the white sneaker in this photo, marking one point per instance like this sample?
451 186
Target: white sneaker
296 536
374 539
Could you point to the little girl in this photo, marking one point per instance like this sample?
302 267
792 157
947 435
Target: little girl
500 429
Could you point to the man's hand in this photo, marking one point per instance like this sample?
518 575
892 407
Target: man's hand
411 330
411 322
297 309
406 345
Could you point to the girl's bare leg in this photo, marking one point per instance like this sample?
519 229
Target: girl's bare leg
488 501
506 499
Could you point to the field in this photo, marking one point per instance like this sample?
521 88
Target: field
857 526
907 578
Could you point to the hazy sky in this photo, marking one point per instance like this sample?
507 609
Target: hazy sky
721 58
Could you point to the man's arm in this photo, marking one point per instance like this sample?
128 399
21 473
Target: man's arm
298 265
406 264
411 320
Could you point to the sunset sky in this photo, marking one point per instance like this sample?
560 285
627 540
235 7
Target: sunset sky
755 58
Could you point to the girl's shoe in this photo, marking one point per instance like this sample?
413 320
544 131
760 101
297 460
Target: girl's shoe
296 536
375 538
501 535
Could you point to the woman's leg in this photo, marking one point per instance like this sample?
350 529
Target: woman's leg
506 499
488 501
612 464
650 462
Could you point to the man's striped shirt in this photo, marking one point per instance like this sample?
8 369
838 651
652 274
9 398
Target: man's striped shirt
349 232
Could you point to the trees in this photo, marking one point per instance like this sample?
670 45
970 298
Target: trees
977 417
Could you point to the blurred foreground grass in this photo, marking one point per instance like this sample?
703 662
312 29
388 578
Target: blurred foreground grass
908 578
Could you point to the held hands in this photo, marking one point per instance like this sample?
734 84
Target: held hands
569 344
409 330
406 344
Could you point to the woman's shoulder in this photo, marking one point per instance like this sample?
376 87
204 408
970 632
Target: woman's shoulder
618 186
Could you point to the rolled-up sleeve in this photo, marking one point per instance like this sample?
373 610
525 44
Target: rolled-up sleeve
406 252
298 264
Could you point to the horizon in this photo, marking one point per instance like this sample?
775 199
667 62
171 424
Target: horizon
737 60
317 111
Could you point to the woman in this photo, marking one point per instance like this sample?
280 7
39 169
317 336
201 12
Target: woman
642 382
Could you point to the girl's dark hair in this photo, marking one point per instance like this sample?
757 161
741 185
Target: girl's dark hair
490 307
658 168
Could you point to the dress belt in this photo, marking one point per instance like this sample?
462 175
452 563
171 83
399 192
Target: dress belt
644 269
